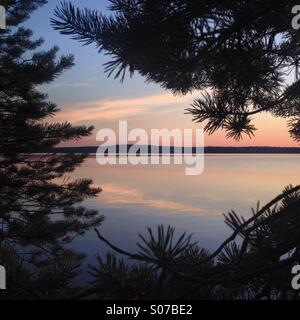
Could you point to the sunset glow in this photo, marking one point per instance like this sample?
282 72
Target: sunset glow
86 96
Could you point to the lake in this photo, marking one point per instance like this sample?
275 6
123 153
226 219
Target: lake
135 197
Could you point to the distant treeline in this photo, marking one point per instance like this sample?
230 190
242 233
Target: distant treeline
174 150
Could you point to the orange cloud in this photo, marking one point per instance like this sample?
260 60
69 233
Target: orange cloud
167 111
120 108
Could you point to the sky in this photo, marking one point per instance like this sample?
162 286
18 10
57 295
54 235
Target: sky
87 97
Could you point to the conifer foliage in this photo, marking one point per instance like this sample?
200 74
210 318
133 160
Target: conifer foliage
255 262
237 52
40 208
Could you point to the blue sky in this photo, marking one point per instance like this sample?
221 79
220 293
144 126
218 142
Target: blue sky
86 96
88 74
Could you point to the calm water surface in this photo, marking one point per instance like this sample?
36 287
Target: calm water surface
135 197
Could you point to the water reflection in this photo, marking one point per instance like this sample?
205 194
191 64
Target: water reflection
134 197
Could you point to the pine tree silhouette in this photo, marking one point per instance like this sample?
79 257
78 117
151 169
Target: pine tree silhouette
39 204
239 54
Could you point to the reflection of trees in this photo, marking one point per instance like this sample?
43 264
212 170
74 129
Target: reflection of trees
39 204
240 51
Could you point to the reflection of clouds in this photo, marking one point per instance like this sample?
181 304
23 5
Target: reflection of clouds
121 108
123 195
